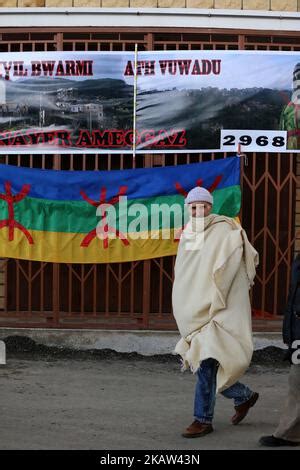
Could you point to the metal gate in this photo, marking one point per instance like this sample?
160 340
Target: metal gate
137 295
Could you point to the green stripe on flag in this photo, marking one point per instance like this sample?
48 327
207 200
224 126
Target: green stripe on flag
80 217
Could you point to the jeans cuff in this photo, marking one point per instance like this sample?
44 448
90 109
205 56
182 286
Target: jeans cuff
246 399
203 420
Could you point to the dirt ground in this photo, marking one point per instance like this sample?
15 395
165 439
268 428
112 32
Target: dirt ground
110 402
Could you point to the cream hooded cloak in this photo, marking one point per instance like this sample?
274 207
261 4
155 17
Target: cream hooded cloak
214 270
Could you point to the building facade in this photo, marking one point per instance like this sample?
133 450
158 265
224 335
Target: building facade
137 295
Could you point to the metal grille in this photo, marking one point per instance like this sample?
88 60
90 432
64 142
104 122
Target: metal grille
138 294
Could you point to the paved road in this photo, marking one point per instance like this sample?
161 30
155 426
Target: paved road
67 403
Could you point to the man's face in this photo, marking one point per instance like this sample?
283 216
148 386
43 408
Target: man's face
199 209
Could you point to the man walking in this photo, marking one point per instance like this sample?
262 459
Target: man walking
288 430
214 270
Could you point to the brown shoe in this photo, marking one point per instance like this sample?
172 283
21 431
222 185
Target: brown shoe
197 429
242 410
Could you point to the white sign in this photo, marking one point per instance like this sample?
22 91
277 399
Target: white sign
253 141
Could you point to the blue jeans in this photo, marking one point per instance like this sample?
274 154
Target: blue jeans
205 393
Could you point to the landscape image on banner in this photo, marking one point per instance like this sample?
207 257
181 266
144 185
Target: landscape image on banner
202 92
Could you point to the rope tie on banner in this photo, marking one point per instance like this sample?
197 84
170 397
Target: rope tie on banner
239 154
134 104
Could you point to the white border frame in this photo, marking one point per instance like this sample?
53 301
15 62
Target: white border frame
149 17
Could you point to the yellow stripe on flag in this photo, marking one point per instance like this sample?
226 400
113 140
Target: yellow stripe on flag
58 247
